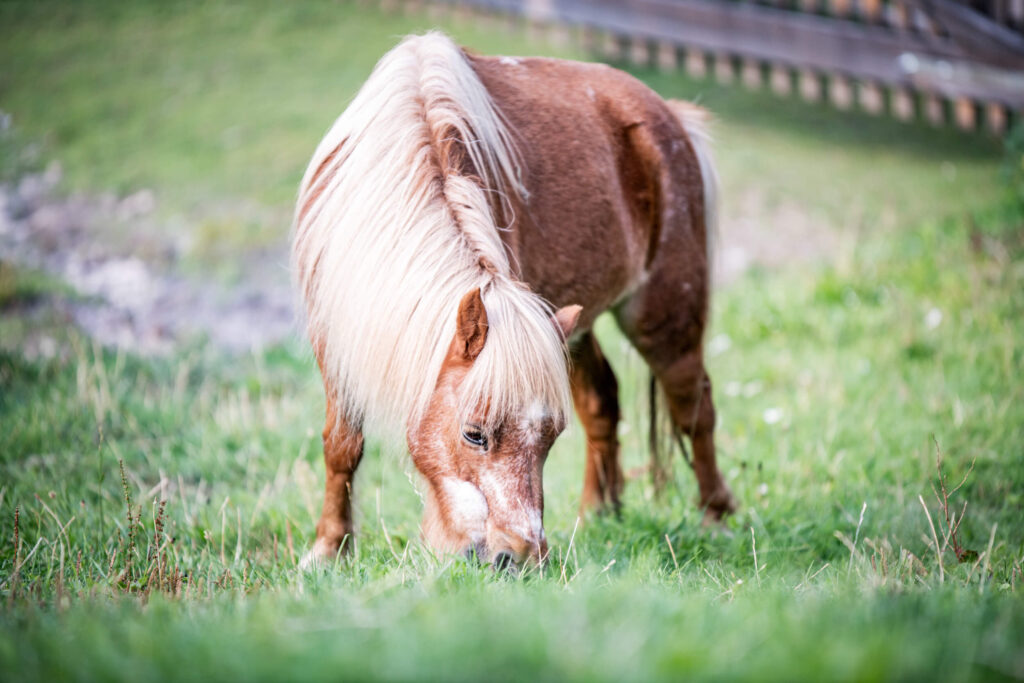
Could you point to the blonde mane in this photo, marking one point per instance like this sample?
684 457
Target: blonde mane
391 230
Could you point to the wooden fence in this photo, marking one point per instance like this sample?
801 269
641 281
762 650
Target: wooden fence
937 60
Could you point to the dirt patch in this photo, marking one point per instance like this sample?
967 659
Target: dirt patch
129 267
757 232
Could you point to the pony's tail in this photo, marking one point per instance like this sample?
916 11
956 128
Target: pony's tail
661 470
660 429
696 123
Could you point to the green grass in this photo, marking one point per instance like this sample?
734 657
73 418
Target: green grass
834 383
846 357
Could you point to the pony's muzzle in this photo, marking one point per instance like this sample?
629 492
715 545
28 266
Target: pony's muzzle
512 551
503 562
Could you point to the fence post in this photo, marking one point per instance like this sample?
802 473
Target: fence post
902 104
810 85
463 13
639 52
870 97
667 59
964 113
611 47
995 116
839 8
559 35
782 81
696 66
870 10
436 11
535 30
896 15
751 73
934 109
724 73
840 92
590 40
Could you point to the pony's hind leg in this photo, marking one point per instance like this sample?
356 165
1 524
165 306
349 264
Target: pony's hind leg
343 449
595 394
688 389
667 330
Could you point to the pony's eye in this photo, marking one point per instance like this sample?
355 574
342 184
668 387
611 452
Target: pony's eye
475 436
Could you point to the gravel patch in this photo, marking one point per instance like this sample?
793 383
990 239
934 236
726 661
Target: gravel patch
130 271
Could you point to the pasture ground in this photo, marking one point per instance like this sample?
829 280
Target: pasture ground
839 378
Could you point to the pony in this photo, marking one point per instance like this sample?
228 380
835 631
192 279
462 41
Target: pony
457 232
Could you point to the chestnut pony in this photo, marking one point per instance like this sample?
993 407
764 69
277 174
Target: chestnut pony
458 230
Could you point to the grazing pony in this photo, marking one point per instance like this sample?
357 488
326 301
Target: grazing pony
457 232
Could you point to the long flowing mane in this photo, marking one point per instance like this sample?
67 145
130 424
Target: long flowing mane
395 223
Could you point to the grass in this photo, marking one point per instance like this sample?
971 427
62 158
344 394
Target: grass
836 383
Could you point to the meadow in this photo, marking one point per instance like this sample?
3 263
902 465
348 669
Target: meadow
153 508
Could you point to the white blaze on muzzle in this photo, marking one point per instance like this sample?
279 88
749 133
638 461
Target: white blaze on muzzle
467 507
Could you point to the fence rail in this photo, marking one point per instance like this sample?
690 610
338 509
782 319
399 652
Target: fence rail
934 59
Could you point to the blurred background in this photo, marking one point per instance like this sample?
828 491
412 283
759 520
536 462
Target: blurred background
151 151
867 318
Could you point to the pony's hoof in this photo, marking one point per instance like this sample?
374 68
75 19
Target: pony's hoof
319 556
718 505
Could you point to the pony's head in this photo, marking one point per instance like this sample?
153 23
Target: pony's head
483 467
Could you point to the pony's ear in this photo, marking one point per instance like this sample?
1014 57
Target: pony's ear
471 326
565 319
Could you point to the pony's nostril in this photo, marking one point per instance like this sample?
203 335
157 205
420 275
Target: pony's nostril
504 561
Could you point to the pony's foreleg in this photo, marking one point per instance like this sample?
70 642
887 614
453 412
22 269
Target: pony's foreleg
343 449
595 394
